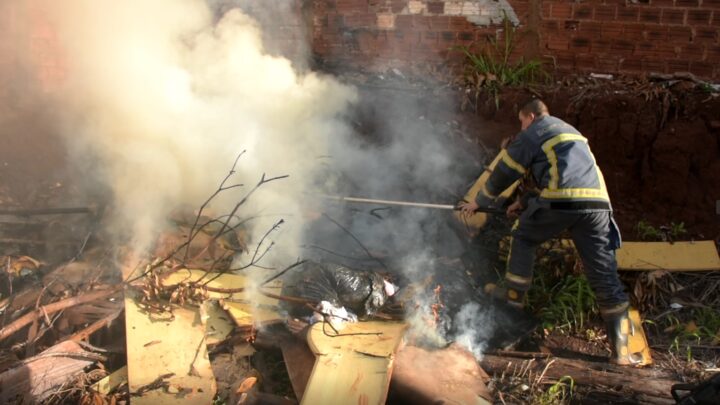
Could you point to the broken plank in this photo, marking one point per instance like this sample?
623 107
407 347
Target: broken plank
299 361
247 307
456 377
38 378
172 348
643 381
353 366
218 325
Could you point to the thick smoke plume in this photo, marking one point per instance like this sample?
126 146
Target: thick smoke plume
160 97
155 99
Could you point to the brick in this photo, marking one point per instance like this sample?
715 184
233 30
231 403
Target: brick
622 46
655 33
607 64
687 3
571 25
655 66
627 13
585 62
550 26
403 22
711 4
440 23
447 36
564 59
352 6
397 6
580 44
678 66
633 31
436 7
421 23
692 52
699 17
460 23
612 30
683 34
466 36
673 16
557 43
662 3
582 12
360 20
650 15
631 65
713 52
705 35
546 10
702 69
605 12
590 28
644 48
561 11
601 45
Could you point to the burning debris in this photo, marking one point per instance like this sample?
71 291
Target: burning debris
339 293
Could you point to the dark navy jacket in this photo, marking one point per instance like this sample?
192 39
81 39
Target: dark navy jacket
559 159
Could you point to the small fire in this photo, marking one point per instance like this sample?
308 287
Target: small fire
436 306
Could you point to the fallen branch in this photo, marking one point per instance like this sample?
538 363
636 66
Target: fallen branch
95 326
55 307
643 381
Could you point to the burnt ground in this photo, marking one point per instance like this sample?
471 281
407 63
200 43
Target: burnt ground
656 142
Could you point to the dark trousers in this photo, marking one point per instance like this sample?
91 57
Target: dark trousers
595 236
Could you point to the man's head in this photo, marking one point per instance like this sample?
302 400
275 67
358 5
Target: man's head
531 110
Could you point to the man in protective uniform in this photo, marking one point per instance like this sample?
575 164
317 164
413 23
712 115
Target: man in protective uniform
573 197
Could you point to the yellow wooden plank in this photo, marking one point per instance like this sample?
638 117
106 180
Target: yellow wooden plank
111 381
677 256
352 368
245 308
164 347
478 219
218 325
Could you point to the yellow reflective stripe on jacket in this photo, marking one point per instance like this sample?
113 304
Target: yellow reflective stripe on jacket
548 146
552 191
511 163
595 193
486 193
520 280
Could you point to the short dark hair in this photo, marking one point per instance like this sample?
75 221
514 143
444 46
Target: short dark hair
534 106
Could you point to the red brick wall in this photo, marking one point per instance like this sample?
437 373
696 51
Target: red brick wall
609 36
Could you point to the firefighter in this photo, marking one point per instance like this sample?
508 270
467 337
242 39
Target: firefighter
573 197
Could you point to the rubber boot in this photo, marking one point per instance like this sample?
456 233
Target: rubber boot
512 296
627 339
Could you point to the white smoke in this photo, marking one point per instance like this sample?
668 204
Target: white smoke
162 96
474 328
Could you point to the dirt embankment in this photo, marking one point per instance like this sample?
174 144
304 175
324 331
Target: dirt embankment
658 145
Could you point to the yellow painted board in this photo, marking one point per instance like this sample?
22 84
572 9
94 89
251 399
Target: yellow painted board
161 347
352 369
111 381
677 256
218 325
478 219
245 308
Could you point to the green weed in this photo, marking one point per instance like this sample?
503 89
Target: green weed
645 231
559 393
491 68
